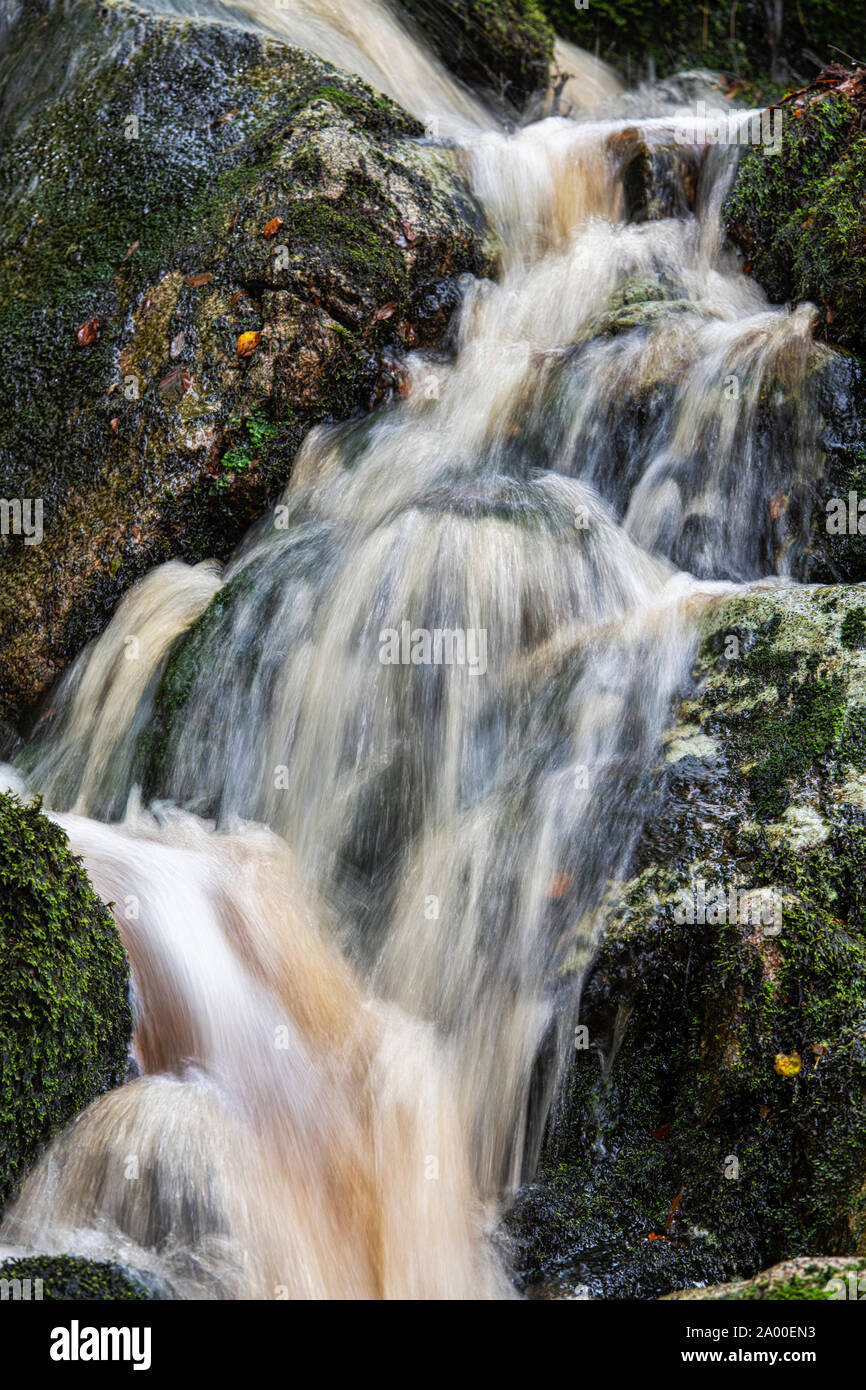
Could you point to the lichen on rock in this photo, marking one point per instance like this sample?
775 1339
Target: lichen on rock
682 1152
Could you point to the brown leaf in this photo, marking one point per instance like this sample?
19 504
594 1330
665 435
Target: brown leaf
114 424
777 505
271 228
674 1208
385 312
196 280
134 247
662 1132
247 344
88 333
175 383
409 232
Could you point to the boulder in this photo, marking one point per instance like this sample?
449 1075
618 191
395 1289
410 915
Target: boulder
210 242
713 1119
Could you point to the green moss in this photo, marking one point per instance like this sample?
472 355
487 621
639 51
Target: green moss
66 1278
65 1020
678 34
689 1019
853 630
800 218
501 46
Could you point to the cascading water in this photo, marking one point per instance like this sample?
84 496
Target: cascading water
403 748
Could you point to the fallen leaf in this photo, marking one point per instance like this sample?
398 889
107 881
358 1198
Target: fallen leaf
134 247
662 1132
652 1236
177 344
674 1208
237 297
88 333
409 232
777 506
247 344
175 383
196 280
114 424
788 1064
819 1050
271 228
385 312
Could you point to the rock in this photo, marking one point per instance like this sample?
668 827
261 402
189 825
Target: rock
660 179
66 1278
822 1276
799 217
750 40
835 550
502 47
178 187
65 1020
717 1121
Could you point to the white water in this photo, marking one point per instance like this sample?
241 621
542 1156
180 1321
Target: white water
340 1019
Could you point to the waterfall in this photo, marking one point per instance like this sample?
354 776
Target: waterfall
357 799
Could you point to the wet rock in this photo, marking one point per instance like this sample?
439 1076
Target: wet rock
835 523
65 1020
659 179
799 217
210 242
502 47
67 1278
715 1121
820 1277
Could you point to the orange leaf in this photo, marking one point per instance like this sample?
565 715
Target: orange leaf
114 424
196 280
247 344
777 505
788 1065
652 1236
88 333
271 228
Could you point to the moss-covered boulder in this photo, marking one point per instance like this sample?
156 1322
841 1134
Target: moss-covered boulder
65 1020
747 39
714 1115
799 216
502 47
209 241
67 1278
822 1277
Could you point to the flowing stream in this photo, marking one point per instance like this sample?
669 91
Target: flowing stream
359 852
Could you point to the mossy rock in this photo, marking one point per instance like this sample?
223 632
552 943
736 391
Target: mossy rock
68 1279
799 216
677 34
140 182
65 1019
716 1123
503 47
808 1278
